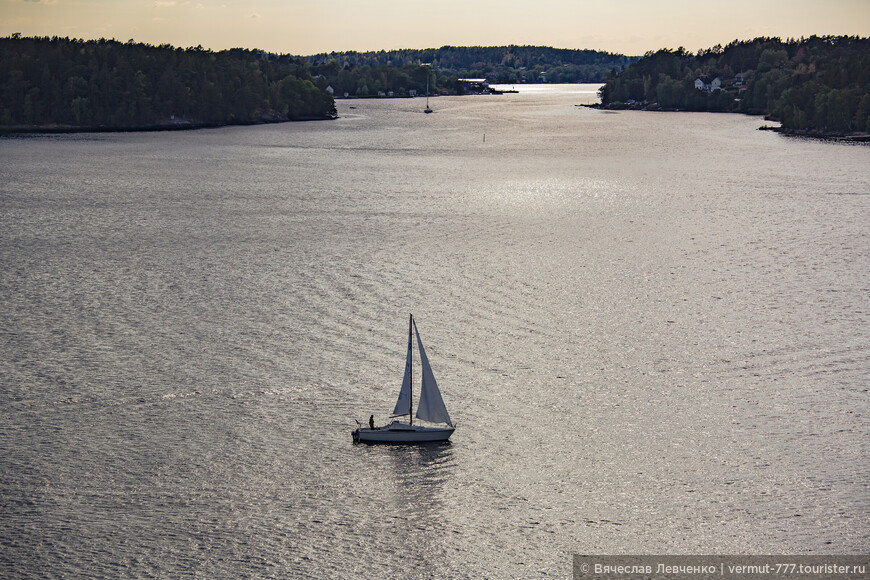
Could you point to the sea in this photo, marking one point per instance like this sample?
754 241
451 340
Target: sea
652 330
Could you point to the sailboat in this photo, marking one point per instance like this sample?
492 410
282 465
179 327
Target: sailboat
431 408
427 109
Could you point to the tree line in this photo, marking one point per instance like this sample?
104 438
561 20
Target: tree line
374 80
62 82
401 71
810 85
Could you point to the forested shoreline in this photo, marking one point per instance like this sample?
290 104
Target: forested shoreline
401 71
62 84
812 86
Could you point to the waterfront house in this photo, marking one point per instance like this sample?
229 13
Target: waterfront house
704 84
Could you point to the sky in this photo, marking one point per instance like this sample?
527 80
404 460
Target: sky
305 27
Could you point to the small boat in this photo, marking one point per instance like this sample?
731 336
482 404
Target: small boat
427 109
430 409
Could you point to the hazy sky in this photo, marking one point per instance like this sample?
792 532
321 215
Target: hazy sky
304 27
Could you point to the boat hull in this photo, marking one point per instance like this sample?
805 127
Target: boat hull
405 434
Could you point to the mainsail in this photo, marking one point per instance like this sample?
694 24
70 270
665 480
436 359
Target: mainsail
431 407
403 403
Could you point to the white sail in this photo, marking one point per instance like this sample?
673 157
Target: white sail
431 407
403 403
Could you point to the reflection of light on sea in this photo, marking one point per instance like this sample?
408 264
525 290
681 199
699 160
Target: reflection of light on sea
543 197
420 473
552 89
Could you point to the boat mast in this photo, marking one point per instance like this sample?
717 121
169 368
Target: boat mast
410 372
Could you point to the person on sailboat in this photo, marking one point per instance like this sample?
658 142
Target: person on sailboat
372 422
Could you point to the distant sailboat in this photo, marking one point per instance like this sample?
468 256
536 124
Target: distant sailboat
427 109
430 409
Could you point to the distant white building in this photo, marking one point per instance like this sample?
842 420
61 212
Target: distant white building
703 84
475 84
330 90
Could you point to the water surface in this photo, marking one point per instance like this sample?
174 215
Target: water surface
651 328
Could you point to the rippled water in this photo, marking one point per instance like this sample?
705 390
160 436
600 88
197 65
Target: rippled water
651 328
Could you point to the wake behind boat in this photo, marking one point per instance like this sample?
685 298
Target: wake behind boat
431 407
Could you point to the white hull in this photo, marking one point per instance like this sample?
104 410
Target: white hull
402 434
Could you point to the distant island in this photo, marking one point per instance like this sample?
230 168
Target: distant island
813 86
404 72
61 84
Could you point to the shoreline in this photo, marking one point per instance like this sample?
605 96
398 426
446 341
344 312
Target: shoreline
821 135
805 133
56 129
